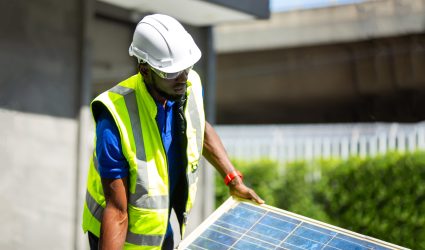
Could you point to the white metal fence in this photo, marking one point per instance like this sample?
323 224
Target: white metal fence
285 143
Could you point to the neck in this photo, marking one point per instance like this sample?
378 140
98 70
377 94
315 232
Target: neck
156 95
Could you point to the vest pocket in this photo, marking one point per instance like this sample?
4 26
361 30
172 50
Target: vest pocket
147 221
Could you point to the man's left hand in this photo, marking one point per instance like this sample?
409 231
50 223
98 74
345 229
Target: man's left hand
238 189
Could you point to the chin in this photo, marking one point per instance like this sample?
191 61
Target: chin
176 97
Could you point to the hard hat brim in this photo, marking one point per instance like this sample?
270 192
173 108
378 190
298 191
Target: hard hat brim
178 66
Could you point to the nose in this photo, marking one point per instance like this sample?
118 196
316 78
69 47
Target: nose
182 77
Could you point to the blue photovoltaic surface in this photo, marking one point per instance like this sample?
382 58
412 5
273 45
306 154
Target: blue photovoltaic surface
250 227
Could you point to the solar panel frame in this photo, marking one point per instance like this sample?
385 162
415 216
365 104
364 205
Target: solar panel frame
311 226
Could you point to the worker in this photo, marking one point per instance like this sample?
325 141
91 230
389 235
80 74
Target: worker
150 135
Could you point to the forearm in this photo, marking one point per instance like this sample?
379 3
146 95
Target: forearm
114 228
114 225
215 153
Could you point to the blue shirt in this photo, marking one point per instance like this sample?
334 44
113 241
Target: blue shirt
112 163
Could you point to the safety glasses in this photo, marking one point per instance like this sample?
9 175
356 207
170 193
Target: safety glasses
170 76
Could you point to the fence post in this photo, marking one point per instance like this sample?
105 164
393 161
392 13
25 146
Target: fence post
373 146
354 143
392 137
401 141
317 148
411 141
335 148
291 150
382 143
345 148
308 153
362 147
326 148
421 136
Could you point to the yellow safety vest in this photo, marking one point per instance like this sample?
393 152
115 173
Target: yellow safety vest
134 111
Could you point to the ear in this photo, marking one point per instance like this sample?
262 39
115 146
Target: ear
144 69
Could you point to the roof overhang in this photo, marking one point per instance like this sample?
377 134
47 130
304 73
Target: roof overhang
328 25
196 12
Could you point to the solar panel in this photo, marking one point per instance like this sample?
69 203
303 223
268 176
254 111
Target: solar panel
242 225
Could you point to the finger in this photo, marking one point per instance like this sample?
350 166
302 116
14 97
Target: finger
255 197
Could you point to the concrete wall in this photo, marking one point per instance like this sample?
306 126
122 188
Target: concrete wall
39 56
37 186
374 80
39 104
348 63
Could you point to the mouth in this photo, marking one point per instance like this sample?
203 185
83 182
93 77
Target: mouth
180 89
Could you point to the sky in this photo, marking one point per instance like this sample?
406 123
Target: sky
286 5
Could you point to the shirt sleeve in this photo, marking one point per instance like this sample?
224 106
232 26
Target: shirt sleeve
112 163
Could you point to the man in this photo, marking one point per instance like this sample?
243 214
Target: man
150 134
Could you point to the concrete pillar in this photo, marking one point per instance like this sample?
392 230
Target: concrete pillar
40 89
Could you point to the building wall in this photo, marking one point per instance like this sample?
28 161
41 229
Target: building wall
366 81
39 104
111 62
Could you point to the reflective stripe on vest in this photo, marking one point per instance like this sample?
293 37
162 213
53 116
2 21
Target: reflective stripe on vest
95 209
196 120
140 197
143 240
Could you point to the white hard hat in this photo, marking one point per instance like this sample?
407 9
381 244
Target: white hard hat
164 44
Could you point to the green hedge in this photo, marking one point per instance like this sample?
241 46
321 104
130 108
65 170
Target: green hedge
383 197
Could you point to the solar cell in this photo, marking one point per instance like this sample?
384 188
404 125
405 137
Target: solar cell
242 225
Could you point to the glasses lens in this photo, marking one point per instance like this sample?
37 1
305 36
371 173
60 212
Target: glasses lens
170 76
